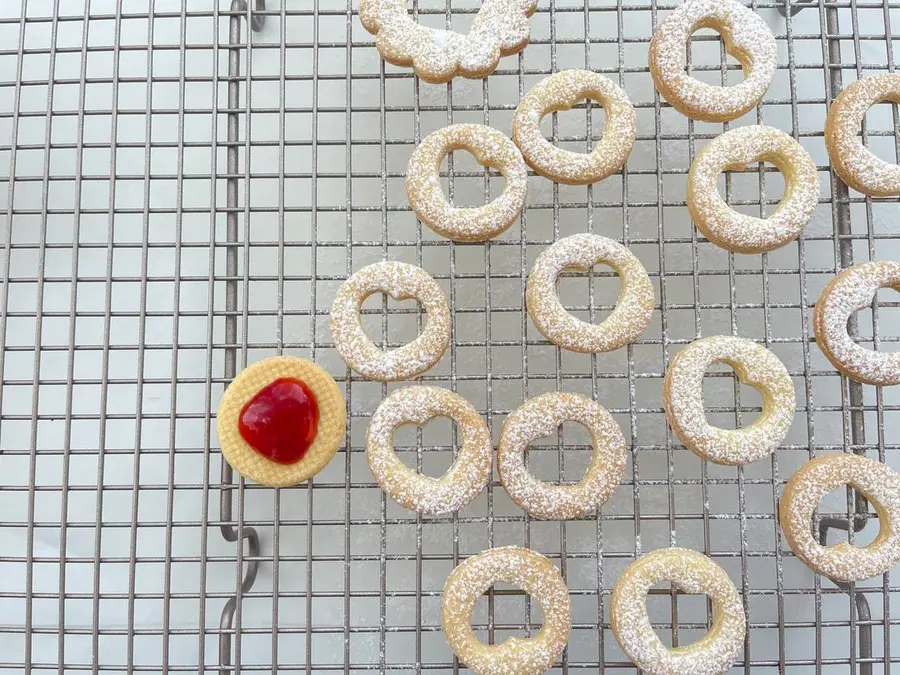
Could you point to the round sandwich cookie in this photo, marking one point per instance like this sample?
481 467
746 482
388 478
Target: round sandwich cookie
281 420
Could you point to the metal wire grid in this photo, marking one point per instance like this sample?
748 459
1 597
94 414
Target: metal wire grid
192 201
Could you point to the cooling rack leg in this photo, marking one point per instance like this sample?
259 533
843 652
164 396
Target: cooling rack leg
226 506
863 613
788 8
854 389
257 19
845 247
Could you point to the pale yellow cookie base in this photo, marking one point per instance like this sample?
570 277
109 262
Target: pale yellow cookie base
852 290
540 417
426 194
500 28
580 252
746 37
330 433
528 570
561 91
806 488
692 572
471 471
739 232
754 365
856 165
400 281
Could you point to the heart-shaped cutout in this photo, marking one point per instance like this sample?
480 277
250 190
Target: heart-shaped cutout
281 421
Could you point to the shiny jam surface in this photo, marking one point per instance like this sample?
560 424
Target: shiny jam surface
280 422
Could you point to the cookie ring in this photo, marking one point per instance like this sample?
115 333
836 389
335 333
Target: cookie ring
851 290
500 28
754 365
732 151
538 577
746 37
561 91
490 148
691 572
843 561
471 471
254 386
401 281
539 417
850 159
580 252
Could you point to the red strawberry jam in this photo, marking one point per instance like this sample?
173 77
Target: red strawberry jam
280 422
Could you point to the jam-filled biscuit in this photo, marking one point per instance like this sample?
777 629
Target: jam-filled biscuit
281 420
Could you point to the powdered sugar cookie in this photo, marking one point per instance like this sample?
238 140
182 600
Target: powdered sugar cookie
746 37
401 281
581 252
850 159
806 488
531 572
852 290
754 365
539 417
691 572
500 28
732 151
561 91
490 148
462 482
281 420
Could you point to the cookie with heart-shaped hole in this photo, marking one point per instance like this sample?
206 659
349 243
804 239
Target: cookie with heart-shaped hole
747 38
400 281
843 561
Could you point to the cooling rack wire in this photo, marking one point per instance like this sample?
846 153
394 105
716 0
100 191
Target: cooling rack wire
184 195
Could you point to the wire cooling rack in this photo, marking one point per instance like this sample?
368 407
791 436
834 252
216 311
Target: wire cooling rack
184 195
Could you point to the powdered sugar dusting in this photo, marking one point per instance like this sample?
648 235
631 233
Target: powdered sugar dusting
528 570
754 365
746 37
801 497
561 91
732 151
501 27
541 416
850 159
464 480
580 252
490 148
691 572
851 290
402 282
